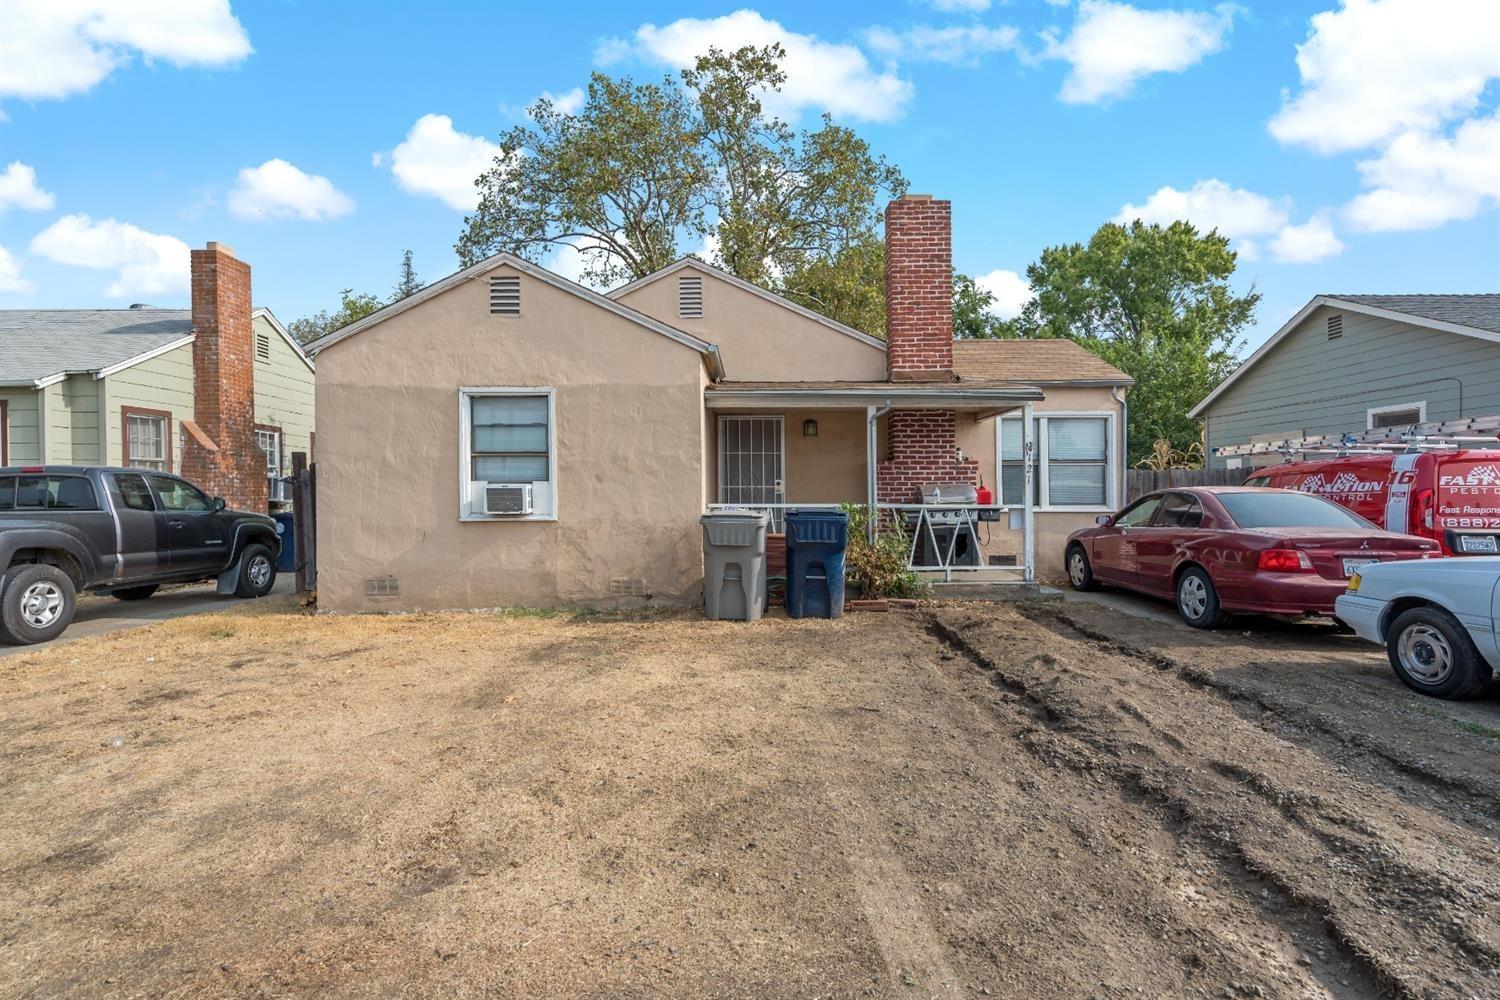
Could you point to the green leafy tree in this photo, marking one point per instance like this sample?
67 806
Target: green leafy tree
848 286
1155 302
351 307
972 316
643 171
408 282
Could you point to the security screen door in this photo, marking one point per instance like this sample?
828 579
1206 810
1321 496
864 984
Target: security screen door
750 463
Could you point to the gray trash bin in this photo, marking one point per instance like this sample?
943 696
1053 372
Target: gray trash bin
734 564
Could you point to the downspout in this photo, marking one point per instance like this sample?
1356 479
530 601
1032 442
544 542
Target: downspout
872 414
1114 393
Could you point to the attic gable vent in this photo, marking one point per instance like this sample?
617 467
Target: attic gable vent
690 297
262 347
505 296
1335 327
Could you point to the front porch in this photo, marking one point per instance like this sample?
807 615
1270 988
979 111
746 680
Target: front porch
780 446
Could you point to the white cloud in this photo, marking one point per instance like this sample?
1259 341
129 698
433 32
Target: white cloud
569 102
278 190
145 263
51 49
1371 71
11 282
18 189
821 76
1010 291
1212 204
960 45
1113 45
1423 180
1308 243
961 6
437 160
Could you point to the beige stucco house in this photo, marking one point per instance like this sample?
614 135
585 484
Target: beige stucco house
132 386
507 437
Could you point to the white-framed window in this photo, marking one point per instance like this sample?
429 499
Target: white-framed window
146 441
1075 457
507 435
269 441
1400 415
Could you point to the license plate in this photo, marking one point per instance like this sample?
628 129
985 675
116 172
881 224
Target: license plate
1477 543
1352 566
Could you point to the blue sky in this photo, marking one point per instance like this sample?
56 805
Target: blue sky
320 140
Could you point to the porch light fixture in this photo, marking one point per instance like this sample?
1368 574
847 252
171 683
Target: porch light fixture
809 428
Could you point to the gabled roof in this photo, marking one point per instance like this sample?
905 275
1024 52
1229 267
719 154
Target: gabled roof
709 351
41 346
270 317
1051 361
1476 315
756 290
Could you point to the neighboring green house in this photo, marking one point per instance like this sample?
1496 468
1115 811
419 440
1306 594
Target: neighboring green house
1349 363
118 387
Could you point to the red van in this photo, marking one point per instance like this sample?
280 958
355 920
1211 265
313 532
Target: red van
1452 497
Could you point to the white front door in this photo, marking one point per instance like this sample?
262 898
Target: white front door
750 464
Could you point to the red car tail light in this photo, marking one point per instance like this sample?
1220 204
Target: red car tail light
1284 561
1422 513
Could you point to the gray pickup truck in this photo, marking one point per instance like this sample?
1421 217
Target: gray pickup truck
122 532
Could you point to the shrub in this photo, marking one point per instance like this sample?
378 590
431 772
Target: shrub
879 568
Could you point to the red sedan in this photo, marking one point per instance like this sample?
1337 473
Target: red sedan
1221 550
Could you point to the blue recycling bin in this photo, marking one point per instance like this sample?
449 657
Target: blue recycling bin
815 544
285 530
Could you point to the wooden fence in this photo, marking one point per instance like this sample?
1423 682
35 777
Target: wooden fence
305 521
1139 482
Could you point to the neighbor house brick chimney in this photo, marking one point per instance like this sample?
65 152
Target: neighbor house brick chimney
919 289
221 454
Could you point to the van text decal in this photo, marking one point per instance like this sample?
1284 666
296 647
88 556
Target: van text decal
1345 483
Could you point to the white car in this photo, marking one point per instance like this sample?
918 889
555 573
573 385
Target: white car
1437 619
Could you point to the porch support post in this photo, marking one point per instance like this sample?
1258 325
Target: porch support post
1028 514
872 486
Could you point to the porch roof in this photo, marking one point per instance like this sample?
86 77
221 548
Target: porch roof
986 397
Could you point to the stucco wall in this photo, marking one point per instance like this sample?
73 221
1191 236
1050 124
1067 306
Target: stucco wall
760 341
828 468
1052 527
629 438
283 393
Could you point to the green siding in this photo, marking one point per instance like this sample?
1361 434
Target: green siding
283 393
21 411
164 382
78 410
1308 384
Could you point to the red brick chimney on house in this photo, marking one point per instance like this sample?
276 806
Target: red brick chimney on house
219 450
919 347
919 289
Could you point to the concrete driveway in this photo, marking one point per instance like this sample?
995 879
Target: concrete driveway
99 615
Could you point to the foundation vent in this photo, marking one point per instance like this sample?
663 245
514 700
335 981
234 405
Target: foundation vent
382 586
627 586
505 296
690 297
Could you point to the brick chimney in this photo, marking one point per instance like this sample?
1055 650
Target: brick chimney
919 289
219 453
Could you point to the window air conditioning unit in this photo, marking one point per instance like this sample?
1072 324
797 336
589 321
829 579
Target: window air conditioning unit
506 499
278 490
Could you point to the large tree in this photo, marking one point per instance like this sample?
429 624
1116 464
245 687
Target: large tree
352 306
644 173
1155 302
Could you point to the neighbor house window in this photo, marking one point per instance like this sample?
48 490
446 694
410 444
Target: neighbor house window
148 443
1402 415
1074 458
268 440
509 438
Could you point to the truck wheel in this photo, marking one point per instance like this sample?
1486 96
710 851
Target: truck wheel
36 605
257 572
1433 655
140 593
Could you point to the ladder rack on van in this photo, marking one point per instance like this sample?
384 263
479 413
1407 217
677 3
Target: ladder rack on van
1437 435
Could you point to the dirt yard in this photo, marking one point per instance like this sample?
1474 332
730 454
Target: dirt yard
965 800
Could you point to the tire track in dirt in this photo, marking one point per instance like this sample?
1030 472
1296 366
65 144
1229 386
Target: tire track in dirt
1409 897
1281 709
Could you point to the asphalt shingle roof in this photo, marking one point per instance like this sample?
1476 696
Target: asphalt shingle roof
1032 361
37 343
1480 311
